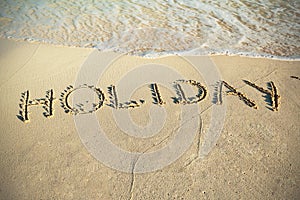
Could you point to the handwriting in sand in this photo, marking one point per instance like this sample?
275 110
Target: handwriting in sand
272 97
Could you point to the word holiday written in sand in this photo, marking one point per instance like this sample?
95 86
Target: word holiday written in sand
113 101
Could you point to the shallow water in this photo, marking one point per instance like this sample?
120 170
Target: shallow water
148 28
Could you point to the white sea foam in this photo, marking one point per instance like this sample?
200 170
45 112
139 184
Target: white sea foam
148 28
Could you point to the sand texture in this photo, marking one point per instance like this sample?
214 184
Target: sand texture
43 157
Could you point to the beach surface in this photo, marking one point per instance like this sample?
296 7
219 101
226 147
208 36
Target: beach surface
256 155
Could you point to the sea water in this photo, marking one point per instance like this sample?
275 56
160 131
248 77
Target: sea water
149 28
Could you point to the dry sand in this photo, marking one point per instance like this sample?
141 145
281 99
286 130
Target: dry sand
256 156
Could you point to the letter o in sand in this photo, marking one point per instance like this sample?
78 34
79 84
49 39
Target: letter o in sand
80 107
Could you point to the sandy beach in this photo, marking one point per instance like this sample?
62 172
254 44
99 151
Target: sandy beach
256 155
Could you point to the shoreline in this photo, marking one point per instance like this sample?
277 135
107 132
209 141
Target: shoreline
154 55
